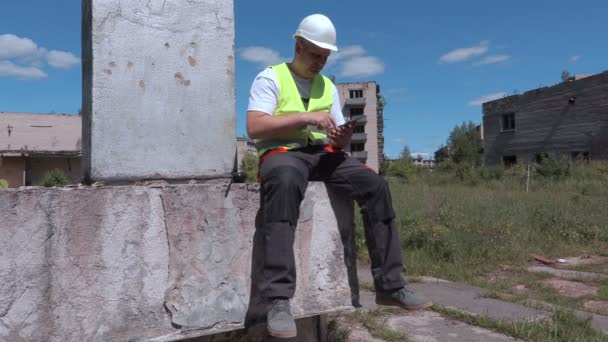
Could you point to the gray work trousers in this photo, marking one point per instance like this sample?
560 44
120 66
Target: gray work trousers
284 177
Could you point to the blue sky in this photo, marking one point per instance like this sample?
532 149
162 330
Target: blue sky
435 61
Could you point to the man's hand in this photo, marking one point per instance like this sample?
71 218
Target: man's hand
341 136
322 120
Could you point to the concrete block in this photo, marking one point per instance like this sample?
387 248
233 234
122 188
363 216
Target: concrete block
151 263
158 89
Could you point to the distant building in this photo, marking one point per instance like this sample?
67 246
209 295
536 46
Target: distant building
32 144
567 119
427 163
364 99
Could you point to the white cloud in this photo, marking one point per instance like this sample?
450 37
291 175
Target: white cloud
463 54
62 59
22 58
575 59
486 98
362 67
345 52
12 46
8 68
260 55
493 59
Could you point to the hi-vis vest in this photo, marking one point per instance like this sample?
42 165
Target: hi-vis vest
289 102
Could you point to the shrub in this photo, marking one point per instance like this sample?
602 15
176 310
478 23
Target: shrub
249 165
492 172
3 184
55 177
551 167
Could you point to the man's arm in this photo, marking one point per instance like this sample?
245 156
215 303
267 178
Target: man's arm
340 136
260 125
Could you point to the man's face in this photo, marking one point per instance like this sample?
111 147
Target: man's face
312 57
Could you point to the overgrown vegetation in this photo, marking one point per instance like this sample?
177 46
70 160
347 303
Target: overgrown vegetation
373 322
564 326
336 333
54 177
249 165
3 184
461 222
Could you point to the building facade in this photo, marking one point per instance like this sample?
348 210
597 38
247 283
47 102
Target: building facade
568 119
244 145
33 144
364 99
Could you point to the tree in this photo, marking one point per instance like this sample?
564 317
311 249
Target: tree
441 154
402 167
465 144
565 76
249 165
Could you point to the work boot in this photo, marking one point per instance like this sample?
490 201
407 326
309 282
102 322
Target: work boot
403 298
280 320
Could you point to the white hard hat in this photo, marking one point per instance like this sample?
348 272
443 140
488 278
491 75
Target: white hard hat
319 30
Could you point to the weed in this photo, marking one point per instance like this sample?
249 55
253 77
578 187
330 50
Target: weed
564 326
336 333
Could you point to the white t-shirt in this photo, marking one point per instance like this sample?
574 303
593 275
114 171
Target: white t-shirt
264 94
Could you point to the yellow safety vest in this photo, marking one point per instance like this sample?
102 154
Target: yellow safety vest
289 102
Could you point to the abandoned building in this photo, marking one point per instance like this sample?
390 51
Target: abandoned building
364 99
569 119
33 144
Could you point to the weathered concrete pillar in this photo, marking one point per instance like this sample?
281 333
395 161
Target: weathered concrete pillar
158 89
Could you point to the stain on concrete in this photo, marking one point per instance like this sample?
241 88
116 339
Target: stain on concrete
192 61
142 84
112 64
107 71
181 80
129 65
167 45
229 72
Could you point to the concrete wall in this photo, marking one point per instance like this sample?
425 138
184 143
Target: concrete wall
370 111
545 121
158 89
152 263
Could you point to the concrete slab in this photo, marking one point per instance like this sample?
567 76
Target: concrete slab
429 326
573 289
598 322
596 305
158 89
466 298
151 263
567 274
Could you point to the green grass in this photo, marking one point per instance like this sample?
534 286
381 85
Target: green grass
460 230
373 321
602 293
564 326
336 333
